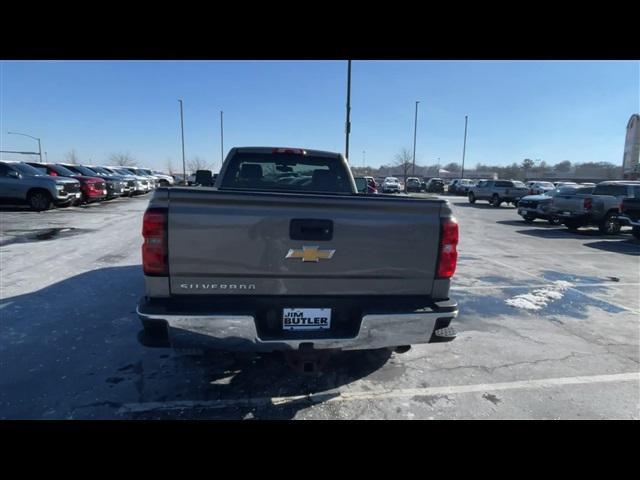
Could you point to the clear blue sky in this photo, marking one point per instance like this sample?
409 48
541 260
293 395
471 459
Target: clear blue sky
552 111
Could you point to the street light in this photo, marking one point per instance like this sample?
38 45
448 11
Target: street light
35 138
415 129
464 145
184 165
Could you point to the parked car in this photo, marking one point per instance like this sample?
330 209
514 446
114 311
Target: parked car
288 271
142 182
92 189
22 183
128 181
600 208
154 181
532 207
114 187
164 180
391 185
460 186
630 214
538 188
413 185
498 191
562 184
435 185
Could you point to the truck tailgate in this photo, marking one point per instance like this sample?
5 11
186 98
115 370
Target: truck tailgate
225 243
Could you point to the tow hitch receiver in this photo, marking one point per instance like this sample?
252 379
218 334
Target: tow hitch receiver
306 360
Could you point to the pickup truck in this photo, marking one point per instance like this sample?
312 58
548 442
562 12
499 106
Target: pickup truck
261 263
600 208
541 206
498 191
630 214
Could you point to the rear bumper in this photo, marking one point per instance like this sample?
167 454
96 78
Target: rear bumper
624 220
237 332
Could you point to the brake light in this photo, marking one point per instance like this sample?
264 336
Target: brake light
448 254
588 204
292 151
154 248
621 207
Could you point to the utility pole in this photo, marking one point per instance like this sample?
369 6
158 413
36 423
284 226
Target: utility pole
184 164
221 139
464 145
415 130
348 124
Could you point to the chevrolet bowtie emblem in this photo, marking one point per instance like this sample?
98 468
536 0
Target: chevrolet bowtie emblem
310 254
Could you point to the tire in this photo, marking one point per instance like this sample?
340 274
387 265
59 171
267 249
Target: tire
472 198
554 220
636 232
610 225
529 218
495 201
39 200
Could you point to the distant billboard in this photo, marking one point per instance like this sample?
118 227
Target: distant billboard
631 157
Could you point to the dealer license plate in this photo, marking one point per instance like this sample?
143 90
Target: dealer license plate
306 318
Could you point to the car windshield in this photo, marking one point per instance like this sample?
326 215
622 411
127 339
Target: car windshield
63 171
101 170
83 170
25 169
519 184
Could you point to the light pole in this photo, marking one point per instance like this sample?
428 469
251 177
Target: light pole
35 138
348 123
221 139
184 165
415 130
464 145
363 164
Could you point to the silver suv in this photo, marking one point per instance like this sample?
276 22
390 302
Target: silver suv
21 183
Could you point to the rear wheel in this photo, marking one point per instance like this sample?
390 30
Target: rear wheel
554 220
472 198
39 200
610 225
495 201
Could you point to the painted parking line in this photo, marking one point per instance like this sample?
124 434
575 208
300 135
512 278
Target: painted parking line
337 396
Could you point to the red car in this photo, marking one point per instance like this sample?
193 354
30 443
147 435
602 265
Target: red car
93 189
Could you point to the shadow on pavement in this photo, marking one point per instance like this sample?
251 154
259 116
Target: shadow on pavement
564 232
628 247
70 350
521 223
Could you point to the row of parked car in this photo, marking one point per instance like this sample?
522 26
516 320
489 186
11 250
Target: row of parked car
395 185
608 205
43 185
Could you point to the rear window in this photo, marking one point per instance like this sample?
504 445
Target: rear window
614 190
283 172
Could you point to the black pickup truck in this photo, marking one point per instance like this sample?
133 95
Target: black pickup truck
630 214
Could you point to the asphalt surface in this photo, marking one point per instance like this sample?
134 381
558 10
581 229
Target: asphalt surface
548 329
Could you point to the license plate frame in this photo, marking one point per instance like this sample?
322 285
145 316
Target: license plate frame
306 319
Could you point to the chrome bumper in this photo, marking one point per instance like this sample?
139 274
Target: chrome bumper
623 219
238 332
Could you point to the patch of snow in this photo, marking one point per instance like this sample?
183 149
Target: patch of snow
539 298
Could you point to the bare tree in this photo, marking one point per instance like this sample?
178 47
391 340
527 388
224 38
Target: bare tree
71 157
404 160
169 166
122 159
197 163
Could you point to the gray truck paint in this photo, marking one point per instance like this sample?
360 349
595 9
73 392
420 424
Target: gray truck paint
492 189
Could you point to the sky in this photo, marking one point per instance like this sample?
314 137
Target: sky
547 110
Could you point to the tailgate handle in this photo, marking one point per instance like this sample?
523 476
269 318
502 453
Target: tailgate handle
310 229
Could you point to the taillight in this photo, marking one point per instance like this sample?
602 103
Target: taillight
448 254
154 248
621 207
588 203
293 151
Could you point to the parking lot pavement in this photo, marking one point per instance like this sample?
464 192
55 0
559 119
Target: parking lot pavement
548 328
